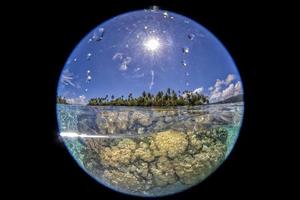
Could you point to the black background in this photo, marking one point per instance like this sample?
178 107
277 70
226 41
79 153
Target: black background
49 31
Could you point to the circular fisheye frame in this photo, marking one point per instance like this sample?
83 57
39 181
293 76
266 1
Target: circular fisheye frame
149 103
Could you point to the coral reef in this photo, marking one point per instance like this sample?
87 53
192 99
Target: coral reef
164 158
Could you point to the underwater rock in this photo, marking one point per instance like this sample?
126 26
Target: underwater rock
122 121
105 121
159 125
141 130
168 119
111 122
142 118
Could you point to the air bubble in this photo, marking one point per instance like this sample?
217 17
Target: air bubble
183 62
88 56
191 36
185 50
98 34
89 78
165 14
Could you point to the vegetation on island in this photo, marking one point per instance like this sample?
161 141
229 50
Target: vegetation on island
61 100
168 98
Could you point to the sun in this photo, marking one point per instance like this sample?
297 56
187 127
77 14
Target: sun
152 44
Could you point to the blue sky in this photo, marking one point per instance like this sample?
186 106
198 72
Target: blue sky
148 51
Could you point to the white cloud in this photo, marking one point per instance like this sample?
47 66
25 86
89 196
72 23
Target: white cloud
79 100
228 92
224 89
238 88
124 60
123 67
215 96
198 90
219 83
124 64
229 79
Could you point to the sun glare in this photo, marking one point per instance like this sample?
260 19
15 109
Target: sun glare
152 44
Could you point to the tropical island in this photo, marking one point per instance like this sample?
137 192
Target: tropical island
167 98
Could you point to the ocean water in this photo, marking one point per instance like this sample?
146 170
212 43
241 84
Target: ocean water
150 151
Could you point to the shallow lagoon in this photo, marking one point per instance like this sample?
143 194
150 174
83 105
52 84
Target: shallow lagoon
149 151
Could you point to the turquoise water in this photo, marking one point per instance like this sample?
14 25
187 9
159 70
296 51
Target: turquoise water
97 128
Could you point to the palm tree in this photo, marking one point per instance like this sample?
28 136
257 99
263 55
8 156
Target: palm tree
174 97
169 91
144 94
130 96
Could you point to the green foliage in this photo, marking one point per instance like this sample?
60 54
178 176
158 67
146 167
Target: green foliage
61 100
168 98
